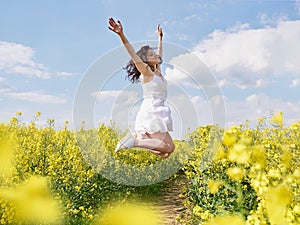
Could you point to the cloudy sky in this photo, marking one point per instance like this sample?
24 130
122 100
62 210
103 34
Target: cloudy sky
225 61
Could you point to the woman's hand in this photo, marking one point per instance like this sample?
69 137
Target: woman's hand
159 31
115 27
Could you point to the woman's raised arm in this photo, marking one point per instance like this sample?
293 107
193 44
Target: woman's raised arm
160 36
118 29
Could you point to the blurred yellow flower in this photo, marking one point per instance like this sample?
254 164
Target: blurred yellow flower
261 119
295 126
277 200
218 151
238 153
236 173
296 173
33 202
258 156
274 173
19 113
129 214
226 220
38 114
277 119
229 138
297 209
214 185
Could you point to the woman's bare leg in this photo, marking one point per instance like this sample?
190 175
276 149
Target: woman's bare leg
158 143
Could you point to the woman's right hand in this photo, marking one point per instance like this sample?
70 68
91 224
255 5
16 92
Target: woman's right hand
115 27
159 31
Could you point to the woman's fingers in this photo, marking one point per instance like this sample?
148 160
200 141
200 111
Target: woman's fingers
115 26
111 22
159 30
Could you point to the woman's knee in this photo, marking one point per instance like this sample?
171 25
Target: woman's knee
169 148
166 141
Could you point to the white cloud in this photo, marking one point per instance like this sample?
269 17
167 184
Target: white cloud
271 21
64 74
238 111
19 59
4 87
188 70
295 83
35 97
259 105
260 83
243 55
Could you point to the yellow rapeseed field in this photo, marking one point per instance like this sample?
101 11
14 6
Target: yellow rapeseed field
240 175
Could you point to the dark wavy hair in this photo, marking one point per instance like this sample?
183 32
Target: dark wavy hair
133 74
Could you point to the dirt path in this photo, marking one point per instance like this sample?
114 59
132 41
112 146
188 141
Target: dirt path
170 202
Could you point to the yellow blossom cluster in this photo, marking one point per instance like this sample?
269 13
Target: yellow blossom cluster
251 175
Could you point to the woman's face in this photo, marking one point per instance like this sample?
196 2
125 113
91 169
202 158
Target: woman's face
152 57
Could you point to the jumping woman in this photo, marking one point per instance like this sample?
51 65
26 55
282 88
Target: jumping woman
153 121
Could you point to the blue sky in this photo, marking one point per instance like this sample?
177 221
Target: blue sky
251 49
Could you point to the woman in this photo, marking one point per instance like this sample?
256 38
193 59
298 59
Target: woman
153 121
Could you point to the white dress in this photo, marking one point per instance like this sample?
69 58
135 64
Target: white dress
154 116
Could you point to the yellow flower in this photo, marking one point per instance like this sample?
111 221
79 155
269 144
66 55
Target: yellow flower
277 119
38 114
6 156
286 157
274 173
206 215
258 156
296 173
294 126
238 153
236 173
261 119
197 210
277 200
33 202
218 151
129 214
229 138
297 209
214 185
226 220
